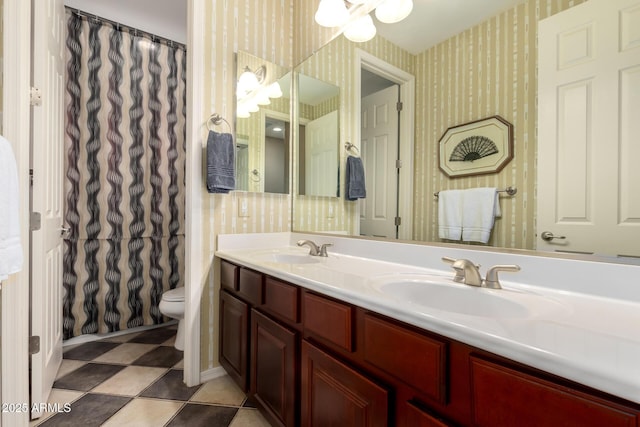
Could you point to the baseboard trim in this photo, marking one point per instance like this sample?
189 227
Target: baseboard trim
211 374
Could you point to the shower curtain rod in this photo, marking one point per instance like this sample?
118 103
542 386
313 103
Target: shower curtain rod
132 30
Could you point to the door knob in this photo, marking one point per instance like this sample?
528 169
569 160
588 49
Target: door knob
548 236
64 232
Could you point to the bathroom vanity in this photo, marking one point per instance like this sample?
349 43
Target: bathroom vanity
357 341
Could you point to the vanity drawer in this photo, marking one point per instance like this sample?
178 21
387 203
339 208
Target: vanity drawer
282 299
526 400
250 286
415 359
328 319
229 275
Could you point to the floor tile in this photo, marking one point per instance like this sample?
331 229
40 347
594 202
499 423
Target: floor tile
160 357
88 411
196 415
87 377
170 386
144 413
89 351
171 342
179 365
154 336
125 353
249 403
58 399
249 418
221 391
122 338
130 381
67 366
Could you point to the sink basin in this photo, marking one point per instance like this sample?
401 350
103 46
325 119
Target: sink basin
457 298
288 258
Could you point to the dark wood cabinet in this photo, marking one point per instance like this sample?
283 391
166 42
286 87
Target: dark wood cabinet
311 360
502 396
274 368
334 394
234 338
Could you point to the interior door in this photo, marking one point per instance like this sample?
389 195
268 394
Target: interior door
47 196
321 156
589 104
379 151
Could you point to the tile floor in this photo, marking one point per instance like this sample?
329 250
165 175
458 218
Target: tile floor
136 380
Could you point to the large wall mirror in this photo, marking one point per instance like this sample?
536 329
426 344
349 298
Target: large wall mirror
263 126
318 158
465 75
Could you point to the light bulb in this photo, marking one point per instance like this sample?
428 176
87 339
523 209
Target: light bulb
274 90
390 11
262 98
247 81
331 13
360 30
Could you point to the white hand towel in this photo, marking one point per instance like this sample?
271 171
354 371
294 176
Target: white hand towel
450 214
10 244
478 214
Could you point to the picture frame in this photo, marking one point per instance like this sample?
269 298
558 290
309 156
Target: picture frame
479 147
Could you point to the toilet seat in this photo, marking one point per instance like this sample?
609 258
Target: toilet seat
174 295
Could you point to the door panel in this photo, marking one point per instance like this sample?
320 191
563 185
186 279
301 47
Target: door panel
589 81
379 147
47 197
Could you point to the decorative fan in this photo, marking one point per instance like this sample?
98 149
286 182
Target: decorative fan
473 148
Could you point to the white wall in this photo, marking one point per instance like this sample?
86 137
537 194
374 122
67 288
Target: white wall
165 18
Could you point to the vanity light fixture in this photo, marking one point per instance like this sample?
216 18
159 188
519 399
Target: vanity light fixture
250 92
358 27
277 129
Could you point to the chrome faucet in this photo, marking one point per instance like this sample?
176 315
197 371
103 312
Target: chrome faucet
469 273
315 250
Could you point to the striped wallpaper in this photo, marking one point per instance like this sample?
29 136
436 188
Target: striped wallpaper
263 28
486 70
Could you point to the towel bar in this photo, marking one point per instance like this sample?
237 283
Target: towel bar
511 191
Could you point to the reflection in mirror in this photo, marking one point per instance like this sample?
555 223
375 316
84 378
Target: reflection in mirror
262 152
318 142
488 69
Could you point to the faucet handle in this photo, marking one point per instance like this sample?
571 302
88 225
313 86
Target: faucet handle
491 281
323 249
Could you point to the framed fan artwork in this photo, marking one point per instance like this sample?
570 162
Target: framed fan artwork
476 148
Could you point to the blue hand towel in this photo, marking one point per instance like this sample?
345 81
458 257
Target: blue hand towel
355 179
220 162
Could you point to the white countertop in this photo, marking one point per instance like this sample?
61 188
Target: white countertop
586 330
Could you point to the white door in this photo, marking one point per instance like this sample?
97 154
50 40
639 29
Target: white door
379 151
589 110
321 156
47 196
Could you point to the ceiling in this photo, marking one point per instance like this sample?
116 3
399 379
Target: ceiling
164 18
433 21
430 22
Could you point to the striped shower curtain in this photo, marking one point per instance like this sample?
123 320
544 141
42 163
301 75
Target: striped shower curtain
125 176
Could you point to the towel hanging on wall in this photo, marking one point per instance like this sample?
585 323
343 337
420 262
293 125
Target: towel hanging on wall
220 162
356 188
10 243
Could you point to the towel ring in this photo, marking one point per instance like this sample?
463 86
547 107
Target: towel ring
349 146
215 120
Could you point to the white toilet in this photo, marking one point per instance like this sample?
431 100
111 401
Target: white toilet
172 305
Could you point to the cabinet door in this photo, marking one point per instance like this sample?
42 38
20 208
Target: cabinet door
333 394
234 339
273 368
505 397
